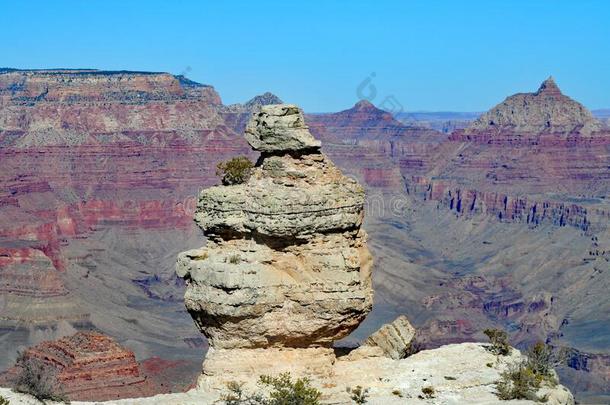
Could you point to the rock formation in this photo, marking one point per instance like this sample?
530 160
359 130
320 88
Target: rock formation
88 366
286 264
546 110
394 339
286 272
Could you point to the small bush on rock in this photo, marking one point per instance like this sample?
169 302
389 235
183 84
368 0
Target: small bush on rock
39 380
499 341
4 401
542 360
523 380
358 394
428 392
235 171
280 390
286 392
234 259
237 396
519 382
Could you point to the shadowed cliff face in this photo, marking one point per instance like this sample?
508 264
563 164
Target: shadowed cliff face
100 173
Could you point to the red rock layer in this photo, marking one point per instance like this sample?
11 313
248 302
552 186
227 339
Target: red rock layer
369 142
91 366
86 151
29 272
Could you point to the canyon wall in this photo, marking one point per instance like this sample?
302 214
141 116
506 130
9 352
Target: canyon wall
101 172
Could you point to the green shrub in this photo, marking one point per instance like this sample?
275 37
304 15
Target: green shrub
237 396
281 390
519 382
4 401
358 394
542 360
235 171
499 341
234 259
428 392
39 380
286 392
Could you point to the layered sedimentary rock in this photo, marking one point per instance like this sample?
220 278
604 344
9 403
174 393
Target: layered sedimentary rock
394 339
102 173
536 157
502 205
286 264
87 366
88 158
545 111
372 145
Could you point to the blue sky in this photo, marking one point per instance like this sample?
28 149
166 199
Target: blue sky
427 55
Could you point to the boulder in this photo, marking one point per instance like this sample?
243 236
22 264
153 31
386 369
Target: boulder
394 338
279 128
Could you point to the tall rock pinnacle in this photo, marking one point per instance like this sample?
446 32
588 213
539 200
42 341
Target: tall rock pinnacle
286 263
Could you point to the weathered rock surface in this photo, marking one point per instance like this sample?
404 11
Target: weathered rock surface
286 264
279 128
394 338
458 373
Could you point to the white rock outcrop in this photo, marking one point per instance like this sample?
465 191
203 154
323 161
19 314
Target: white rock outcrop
459 373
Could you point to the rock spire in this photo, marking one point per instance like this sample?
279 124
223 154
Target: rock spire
286 263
